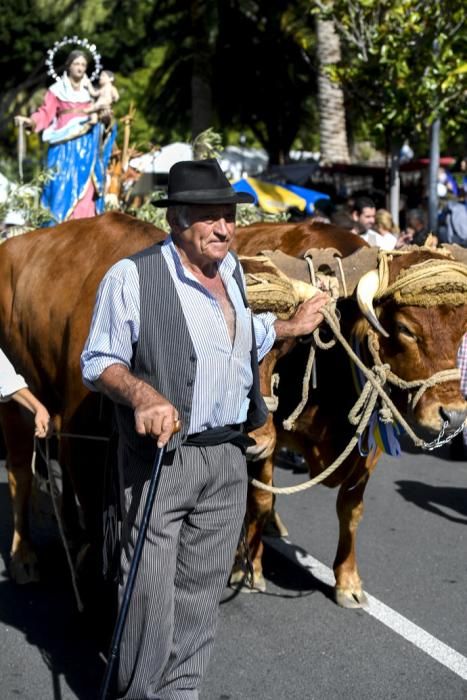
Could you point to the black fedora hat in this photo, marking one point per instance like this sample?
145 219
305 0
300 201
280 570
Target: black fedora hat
200 182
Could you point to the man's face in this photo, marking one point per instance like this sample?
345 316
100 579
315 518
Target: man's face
366 218
210 233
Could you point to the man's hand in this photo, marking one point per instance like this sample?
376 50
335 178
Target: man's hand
307 317
155 416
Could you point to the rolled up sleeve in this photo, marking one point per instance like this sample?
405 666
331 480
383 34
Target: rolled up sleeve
115 323
10 382
264 332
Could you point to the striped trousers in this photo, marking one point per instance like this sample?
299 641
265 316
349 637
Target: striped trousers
187 557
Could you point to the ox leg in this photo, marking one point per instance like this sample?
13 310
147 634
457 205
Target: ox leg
349 592
18 437
259 509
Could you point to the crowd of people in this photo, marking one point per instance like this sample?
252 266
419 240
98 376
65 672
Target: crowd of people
377 226
360 215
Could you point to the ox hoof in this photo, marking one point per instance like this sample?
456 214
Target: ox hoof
274 527
239 582
24 567
350 599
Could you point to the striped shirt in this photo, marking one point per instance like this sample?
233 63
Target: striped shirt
223 375
462 364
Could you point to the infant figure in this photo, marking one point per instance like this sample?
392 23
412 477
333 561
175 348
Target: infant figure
106 95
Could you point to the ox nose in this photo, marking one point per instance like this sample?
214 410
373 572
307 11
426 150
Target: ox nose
454 418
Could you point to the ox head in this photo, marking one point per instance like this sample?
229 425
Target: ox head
421 316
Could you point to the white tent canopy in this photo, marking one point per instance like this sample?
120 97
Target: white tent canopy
161 161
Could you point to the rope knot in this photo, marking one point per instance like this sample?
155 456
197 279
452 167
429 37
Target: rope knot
381 373
385 414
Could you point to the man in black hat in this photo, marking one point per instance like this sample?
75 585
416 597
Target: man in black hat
174 344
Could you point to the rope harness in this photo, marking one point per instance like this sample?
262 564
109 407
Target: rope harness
450 280
55 496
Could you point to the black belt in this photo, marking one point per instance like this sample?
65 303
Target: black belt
218 436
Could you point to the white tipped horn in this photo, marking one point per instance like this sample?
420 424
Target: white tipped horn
303 290
366 290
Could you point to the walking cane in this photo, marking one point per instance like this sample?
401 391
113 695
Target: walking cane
130 584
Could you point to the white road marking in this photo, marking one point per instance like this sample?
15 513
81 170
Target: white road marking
398 623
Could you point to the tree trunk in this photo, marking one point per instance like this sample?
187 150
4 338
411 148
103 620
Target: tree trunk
201 93
201 105
333 135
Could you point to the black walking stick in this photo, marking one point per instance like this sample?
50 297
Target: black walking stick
130 584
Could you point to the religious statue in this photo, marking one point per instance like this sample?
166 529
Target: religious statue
79 145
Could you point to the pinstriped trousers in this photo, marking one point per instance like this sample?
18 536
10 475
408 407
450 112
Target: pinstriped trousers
187 557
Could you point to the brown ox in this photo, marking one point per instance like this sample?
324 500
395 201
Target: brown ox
48 283
422 341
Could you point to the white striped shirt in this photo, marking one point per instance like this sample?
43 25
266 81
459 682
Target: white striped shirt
10 382
223 373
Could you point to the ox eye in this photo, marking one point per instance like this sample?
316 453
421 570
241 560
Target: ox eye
403 330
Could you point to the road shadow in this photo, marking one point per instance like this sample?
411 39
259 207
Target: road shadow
282 567
47 616
435 499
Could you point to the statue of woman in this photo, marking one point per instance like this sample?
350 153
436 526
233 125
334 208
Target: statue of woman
79 150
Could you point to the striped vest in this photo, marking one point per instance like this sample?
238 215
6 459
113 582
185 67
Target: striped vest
164 355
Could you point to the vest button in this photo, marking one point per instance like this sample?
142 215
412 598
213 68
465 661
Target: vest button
193 358
190 382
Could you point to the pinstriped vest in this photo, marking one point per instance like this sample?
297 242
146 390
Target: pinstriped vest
164 355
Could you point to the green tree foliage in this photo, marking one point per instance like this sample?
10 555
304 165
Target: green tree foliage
255 54
403 62
265 72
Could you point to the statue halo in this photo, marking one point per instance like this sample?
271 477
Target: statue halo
76 41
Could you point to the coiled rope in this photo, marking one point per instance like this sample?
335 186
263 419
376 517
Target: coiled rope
361 412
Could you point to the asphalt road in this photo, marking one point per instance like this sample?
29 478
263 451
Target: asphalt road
293 642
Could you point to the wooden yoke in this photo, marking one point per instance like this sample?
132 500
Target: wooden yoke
324 260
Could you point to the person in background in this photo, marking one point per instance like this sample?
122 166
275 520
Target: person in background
344 220
323 209
447 179
13 386
363 213
384 234
416 230
463 182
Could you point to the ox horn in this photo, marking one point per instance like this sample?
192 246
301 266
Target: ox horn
458 252
303 290
366 290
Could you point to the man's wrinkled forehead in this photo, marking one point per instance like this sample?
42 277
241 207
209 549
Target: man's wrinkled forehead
198 212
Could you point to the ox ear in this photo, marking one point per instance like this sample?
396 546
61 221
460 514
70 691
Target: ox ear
366 290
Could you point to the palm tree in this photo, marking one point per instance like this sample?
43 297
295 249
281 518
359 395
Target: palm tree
333 134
